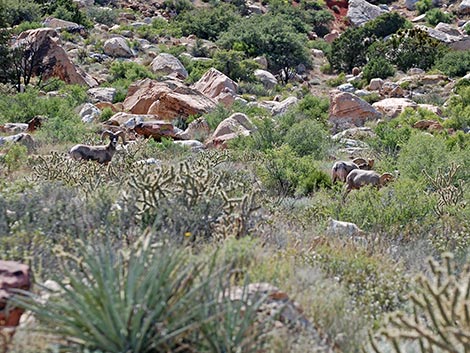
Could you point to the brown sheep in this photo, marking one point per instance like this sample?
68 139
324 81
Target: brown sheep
102 154
358 178
341 169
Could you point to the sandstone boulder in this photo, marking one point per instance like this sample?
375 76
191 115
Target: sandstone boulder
197 130
376 84
392 107
237 123
168 99
430 125
155 129
214 84
167 64
347 110
117 47
268 80
361 12
51 59
129 120
102 94
57 23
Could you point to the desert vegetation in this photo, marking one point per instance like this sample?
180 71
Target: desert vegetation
211 231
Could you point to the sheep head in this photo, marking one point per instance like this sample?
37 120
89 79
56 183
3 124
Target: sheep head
385 178
114 137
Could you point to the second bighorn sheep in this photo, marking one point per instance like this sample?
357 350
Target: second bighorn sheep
103 153
358 178
341 169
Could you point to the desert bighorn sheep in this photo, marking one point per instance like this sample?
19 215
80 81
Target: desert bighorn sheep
358 178
341 169
103 153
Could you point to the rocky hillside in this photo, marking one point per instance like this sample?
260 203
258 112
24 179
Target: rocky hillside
211 176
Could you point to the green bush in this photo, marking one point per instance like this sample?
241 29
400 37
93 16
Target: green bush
234 64
454 63
106 16
308 138
15 12
423 6
435 16
15 157
459 109
284 173
377 68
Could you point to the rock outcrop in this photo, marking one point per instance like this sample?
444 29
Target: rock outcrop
117 47
168 99
392 107
218 86
167 64
361 12
347 110
51 60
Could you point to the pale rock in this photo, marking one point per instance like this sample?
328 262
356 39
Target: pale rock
117 47
447 28
392 107
330 37
89 113
464 7
168 99
317 53
348 110
237 123
346 87
216 85
53 59
197 130
360 12
102 94
262 61
392 89
356 133
343 229
167 64
280 108
194 145
432 108
376 84
268 80
59 24
416 71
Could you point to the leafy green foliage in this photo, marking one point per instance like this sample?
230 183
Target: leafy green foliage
272 36
283 173
459 109
208 23
15 157
423 6
147 299
454 63
15 12
106 16
308 138
435 16
377 68
67 10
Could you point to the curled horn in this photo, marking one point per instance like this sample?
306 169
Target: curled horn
122 134
106 133
385 177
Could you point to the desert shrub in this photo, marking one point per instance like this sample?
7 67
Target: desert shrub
234 64
423 6
284 173
272 36
438 303
374 283
413 48
106 16
26 25
399 209
377 68
454 63
267 136
308 138
422 152
169 303
129 70
16 12
208 23
15 157
459 110
68 11
178 6
336 81
435 16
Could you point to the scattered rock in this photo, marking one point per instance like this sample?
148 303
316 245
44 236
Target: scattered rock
376 84
347 110
218 86
89 113
392 107
431 125
361 12
197 130
117 47
155 129
237 123
268 80
102 94
168 99
167 64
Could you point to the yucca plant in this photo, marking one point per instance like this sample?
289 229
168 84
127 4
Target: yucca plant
149 298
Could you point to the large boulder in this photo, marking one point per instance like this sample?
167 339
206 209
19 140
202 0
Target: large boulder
129 120
168 99
268 80
117 47
167 64
102 94
456 42
89 113
238 123
218 86
464 7
361 12
348 110
59 24
51 60
13 275
155 129
392 107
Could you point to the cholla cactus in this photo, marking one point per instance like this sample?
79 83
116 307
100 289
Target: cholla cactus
449 190
441 313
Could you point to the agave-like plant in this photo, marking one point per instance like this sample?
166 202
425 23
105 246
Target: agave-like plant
149 298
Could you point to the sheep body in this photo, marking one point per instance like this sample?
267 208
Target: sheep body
102 153
341 169
358 178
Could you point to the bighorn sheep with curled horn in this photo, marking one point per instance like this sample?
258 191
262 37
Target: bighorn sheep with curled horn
358 178
341 169
103 153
